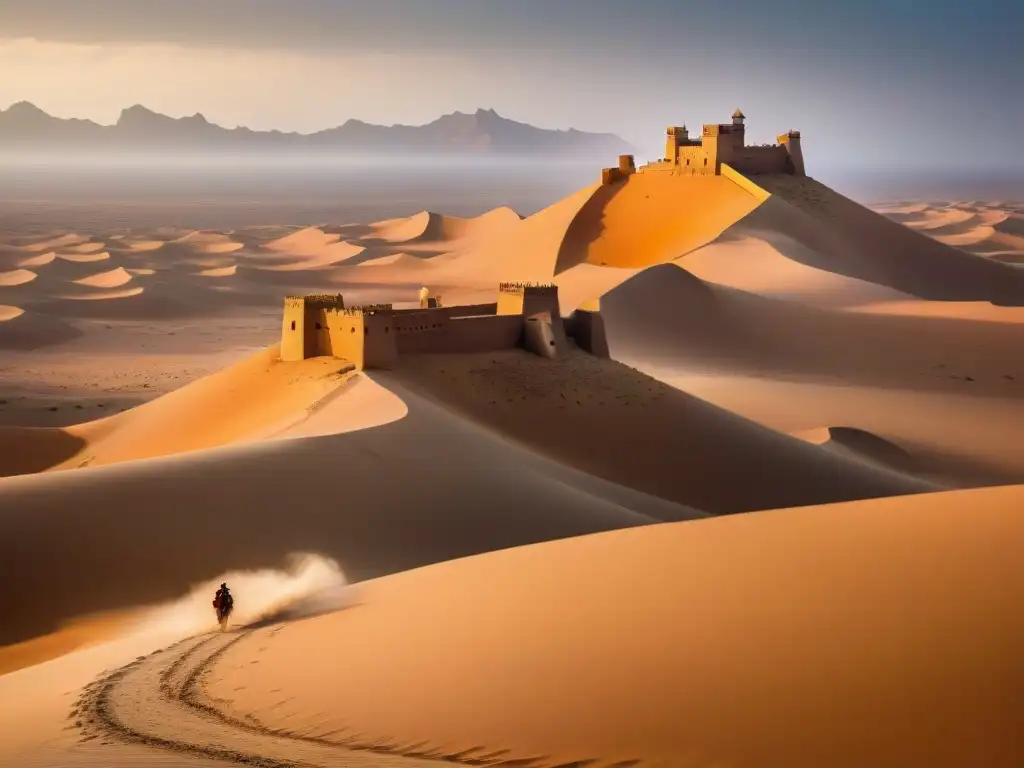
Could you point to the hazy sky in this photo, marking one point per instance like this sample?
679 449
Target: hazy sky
870 83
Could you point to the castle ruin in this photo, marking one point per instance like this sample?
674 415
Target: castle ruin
525 316
719 144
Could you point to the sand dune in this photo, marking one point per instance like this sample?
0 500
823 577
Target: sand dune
61 241
993 231
38 261
308 241
209 242
115 278
861 443
728 652
220 271
433 228
86 248
844 237
9 313
25 330
592 414
350 509
16 277
527 251
145 246
84 258
788 348
652 218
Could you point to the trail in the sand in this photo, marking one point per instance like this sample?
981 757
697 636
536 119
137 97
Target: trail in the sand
157 701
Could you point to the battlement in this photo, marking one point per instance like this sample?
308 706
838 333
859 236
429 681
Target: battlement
536 289
374 335
317 300
722 143
363 309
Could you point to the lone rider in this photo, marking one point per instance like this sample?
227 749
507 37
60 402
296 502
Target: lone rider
223 598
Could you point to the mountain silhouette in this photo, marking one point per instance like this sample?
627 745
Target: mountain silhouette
484 132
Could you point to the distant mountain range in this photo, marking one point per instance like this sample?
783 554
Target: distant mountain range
485 132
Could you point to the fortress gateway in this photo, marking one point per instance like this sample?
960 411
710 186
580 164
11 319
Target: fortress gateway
524 316
722 144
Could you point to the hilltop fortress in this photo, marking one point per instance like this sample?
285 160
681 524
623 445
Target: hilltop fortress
722 144
524 316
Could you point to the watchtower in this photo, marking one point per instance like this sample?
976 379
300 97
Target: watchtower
791 142
528 299
301 324
363 335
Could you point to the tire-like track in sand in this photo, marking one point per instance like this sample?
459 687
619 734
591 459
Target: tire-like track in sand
157 701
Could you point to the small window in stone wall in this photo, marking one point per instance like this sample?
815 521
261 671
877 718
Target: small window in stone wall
352 329
293 325
705 162
319 327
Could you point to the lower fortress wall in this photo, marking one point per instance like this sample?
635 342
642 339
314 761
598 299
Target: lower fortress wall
587 330
486 333
427 332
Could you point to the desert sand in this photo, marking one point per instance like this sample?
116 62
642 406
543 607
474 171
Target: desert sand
511 560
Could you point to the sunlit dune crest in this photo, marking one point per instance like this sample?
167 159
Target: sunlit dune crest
648 477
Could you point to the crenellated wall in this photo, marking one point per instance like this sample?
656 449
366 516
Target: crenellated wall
721 143
374 336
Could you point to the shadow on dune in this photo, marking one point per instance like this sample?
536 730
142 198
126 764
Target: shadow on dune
585 228
846 238
421 490
669 317
26 450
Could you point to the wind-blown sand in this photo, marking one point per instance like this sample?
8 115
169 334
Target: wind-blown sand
775 346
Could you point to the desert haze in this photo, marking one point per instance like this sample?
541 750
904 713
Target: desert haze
681 464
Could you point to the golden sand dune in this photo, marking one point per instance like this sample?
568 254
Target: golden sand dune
84 258
254 399
9 313
527 251
38 261
26 330
995 232
144 246
305 242
61 241
434 228
114 278
652 218
859 442
16 277
220 271
402 260
703 643
374 525
209 242
103 294
742 259
309 248
967 310
85 248
851 240
947 385
592 414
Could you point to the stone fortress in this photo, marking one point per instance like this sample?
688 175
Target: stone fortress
720 150
525 316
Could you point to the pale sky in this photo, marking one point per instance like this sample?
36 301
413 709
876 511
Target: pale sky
871 83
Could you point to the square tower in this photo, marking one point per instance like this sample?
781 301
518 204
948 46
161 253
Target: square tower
300 334
363 335
528 299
